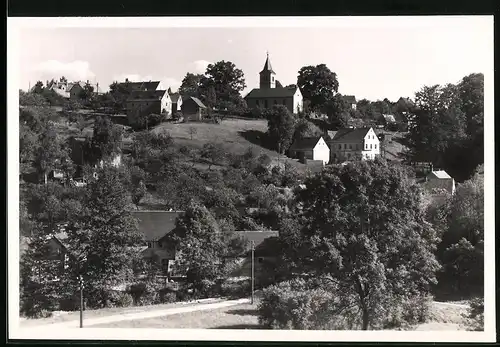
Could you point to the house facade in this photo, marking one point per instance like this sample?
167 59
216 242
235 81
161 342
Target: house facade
354 144
145 102
176 101
310 148
155 225
271 92
193 109
71 90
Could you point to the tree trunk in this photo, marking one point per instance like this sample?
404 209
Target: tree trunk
366 318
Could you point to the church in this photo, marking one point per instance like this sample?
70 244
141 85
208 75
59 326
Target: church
271 92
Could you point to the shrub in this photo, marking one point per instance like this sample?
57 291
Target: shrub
145 293
120 299
406 311
475 315
37 301
292 305
168 298
236 289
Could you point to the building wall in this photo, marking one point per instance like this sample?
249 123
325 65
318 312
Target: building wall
289 102
371 147
298 102
440 183
191 110
166 105
267 80
321 152
135 108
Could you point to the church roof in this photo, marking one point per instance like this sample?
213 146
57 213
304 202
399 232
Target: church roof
267 66
258 93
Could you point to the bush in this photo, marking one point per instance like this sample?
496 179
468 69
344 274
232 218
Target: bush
475 315
168 298
292 305
236 290
120 299
37 301
145 293
407 311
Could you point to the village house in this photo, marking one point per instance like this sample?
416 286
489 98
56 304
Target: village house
176 100
354 144
193 109
146 102
155 225
310 149
139 86
71 90
350 100
439 180
270 92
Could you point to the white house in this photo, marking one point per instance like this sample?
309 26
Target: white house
439 179
354 143
310 149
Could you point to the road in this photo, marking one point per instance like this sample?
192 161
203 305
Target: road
139 315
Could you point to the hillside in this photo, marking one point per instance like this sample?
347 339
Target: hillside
235 135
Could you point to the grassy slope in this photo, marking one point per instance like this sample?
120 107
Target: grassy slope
233 134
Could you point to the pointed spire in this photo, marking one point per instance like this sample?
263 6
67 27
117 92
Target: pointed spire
267 65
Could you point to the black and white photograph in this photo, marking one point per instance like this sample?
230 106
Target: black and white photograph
251 179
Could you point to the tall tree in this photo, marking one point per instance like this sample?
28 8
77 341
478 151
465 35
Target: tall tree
362 227
51 154
304 128
280 127
318 84
226 80
337 111
103 237
38 88
190 85
107 138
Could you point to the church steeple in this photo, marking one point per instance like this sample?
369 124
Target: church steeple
267 75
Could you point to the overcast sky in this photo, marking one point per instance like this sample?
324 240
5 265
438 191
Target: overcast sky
371 61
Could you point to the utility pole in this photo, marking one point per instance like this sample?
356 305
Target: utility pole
81 301
253 271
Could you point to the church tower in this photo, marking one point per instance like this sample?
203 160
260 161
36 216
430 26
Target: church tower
267 75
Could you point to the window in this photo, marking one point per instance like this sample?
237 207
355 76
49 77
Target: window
265 104
345 145
260 260
132 104
257 103
276 102
284 101
370 146
366 146
340 146
149 245
375 146
272 78
350 146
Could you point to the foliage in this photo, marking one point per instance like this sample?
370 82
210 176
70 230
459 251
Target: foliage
281 127
120 299
190 85
107 138
305 128
103 235
51 153
318 84
461 220
214 153
475 315
448 127
362 224
337 111
31 99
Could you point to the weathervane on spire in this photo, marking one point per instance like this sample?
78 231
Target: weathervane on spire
267 53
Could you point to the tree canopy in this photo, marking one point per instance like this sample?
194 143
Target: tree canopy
318 84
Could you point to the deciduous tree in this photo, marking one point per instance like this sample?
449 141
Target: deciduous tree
281 126
318 84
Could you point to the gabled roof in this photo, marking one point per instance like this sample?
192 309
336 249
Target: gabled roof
351 99
258 93
351 134
72 84
267 66
305 143
196 101
146 95
441 174
150 85
156 224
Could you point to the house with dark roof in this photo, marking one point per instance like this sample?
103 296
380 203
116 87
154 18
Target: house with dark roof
145 102
176 100
350 100
354 143
271 92
193 109
310 149
141 86
155 225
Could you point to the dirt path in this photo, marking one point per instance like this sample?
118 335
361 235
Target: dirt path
140 315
